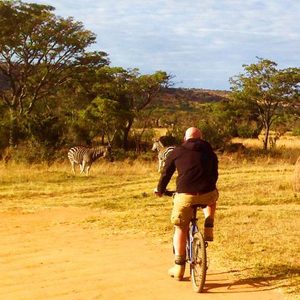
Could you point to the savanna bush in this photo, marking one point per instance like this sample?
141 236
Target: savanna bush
247 131
31 152
296 131
217 136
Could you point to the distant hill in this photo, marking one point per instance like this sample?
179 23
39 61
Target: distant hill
169 95
193 95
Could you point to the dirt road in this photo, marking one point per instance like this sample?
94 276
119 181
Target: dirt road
50 255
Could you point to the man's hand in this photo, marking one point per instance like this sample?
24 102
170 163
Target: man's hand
156 193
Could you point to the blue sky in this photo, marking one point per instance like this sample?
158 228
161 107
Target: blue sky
201 42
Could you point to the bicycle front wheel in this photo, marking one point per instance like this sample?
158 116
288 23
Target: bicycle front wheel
199 262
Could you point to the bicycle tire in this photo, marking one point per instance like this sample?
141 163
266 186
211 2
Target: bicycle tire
199 266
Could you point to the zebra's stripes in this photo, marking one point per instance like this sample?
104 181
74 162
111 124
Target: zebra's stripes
163 153
84 157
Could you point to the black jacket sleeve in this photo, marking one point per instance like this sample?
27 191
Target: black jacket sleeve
167 173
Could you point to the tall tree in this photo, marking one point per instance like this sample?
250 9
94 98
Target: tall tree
267 91
38 52
131 91
103 118
142 91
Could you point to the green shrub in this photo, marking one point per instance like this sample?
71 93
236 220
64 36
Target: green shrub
217 136
296 131
31 151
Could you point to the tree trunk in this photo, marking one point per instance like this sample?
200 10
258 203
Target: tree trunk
12 128
266 137
126 134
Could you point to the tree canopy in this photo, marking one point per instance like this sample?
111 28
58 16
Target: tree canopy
38 52
266 91
55 93
46 73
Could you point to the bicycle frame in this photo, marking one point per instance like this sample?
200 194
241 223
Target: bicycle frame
192 230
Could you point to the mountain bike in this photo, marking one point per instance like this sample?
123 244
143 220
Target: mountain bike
195 251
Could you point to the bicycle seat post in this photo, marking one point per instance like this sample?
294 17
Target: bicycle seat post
195 208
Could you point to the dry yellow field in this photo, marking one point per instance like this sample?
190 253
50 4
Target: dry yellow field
257 223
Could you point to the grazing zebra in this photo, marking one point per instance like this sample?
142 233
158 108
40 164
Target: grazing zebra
163 153
85 156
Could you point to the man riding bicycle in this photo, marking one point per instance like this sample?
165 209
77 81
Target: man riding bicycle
197 167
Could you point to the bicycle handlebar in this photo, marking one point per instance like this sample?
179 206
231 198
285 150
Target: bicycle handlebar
169 193
166 193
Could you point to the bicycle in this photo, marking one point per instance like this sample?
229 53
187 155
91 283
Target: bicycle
196 246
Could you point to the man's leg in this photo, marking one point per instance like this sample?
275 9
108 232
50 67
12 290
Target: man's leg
181 214
209 210
179 240
209 213
179 244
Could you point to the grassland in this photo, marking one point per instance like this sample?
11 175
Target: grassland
257 224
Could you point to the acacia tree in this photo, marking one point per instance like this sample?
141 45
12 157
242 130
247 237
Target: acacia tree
130 92
38 52
267 91
143 90
103 117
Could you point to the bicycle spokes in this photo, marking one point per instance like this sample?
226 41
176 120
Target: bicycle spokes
198 262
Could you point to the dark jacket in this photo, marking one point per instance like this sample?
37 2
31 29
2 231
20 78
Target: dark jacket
197 167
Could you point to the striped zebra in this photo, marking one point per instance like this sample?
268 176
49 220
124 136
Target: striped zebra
85 156
163 153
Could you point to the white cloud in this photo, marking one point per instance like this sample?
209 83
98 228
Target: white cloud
189 38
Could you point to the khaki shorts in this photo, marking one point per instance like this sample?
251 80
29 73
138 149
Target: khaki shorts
182 211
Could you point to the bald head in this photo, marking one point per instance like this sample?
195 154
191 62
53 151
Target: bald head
193 133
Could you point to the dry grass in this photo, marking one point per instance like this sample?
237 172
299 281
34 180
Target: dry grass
297 176
258 217
285 142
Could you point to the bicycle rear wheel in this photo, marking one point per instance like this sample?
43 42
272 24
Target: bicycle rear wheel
199 264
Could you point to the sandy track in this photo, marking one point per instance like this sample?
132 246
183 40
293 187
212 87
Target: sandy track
50 255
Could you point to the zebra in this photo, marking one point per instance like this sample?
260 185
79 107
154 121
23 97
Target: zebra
85 156
163 153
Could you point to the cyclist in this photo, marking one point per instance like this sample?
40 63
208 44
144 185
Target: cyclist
197 167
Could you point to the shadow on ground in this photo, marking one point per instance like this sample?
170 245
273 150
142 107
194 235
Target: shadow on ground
277 276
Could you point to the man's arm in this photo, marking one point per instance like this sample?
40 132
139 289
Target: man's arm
166 174
215 166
